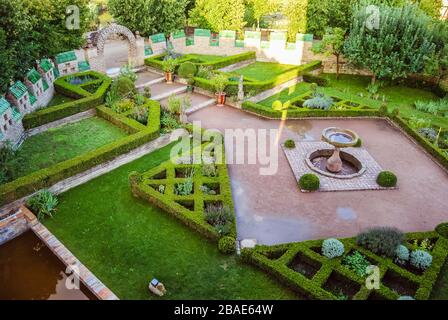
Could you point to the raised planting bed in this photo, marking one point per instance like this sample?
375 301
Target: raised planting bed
297 266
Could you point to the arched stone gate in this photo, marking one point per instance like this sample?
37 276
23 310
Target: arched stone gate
135 44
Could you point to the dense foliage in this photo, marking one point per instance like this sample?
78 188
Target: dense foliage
43 204
309 182
149 16
9 163
381 240
332 248
386 179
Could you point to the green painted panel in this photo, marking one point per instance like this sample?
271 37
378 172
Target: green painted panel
202 33
157 38
214 42
278 36
239 43
189 41
148 51
230 34
252 35
178 34
308 37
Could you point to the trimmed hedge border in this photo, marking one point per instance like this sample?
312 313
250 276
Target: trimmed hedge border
260 86
284 254
143 186
156 63
46 177
297 113
86 100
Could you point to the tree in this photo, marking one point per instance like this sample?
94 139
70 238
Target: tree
332 44
149 16
263 7
296 11
398 46
218 14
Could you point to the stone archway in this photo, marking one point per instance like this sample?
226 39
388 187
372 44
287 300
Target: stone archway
134 45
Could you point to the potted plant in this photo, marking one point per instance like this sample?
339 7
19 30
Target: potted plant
219 83
169 65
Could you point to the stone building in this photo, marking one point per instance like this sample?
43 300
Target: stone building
67 62
20 97
47 70
11 128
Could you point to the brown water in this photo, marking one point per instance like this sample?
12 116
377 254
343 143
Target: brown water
30 271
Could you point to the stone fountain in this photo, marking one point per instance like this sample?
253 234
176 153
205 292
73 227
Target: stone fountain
339 138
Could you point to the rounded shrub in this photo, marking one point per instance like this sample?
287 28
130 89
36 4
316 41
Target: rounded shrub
187 70
226 245
381 240
124 87
290 144
332 248
421 259
442 229
309 182
402 254
386 179
277 105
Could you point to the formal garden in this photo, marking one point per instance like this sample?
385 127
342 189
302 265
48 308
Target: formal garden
132 169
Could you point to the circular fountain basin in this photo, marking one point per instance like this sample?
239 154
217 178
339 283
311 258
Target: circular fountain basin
351 166
340 138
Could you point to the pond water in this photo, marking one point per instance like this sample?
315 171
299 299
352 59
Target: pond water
340 137
30 271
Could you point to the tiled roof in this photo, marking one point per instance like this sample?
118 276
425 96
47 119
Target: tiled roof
33 76
16 115
4 105
83 66
46 65
66 57
18 89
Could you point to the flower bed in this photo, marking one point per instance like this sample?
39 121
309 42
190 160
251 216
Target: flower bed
326 278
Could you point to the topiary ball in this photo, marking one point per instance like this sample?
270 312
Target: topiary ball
277 105
309 182
332 248
226 245
187 70
290 144
421 259
402 254
386 179
442 229
124 87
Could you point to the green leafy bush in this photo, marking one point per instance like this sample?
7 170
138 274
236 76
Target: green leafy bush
357 262
204 72
168 122
319 101
219 83
124 87
381 240
174 104
169 64
226 245
309 182
402 254
332 248
386 179
442 229
43 203
421 259
9 163
219 216
185 188
127 71
187 70
209 170
123 106
290 144
140 114
277 105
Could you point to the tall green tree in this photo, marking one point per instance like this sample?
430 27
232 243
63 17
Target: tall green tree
218 14
149 16
332 44
397 46
296 12
263 7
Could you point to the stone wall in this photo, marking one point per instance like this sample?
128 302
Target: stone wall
12 225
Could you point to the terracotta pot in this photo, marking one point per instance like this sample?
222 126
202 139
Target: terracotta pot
169 77
220 98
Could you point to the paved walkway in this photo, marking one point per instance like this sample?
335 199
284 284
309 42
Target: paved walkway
273 210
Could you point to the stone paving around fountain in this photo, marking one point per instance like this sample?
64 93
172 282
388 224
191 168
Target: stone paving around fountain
366 181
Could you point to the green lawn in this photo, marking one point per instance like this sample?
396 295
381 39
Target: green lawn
263 71
66 142
59 99
354 88
205 57
126 242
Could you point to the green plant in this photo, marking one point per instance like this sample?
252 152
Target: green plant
123 87
309 182
226 245
169 65
401 254
168 122
386 179
43 203
277 105
381 240
419 123
126 71
219 215
219 83
209 170
161 188
421 259
174 105
320 81
186 188
140 114
290 144
123 106
319 101
207 190
357 262
332 248
204 72
9 163
425 244
442 229
187 70
147 92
